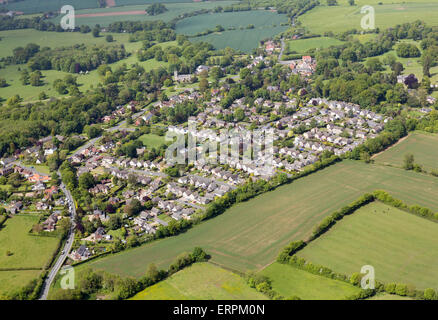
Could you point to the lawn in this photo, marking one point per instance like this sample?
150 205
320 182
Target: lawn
303 45
152 140
422 145
250 234
266 24
174 10
402 247
201 281
27 251
345 17
290 281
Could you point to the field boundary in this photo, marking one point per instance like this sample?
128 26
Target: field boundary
288 255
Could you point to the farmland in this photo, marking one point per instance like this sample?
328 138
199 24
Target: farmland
86 17
400 246
388 14
201 281
27 251
250 234
303 45
421 145
11 280
290 281
266 24
35 6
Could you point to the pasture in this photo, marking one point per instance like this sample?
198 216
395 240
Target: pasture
290 281
422 145
11 281
28 251
250 234
345 17
201 281
303 45
266 24
402 247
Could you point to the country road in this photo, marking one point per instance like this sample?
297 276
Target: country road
67 247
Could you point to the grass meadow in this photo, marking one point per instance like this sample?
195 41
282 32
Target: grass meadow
390 13
402 247
290 281
422 145
303 45
201 281
152 140
27 251
249 235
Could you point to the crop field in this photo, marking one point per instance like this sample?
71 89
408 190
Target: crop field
303 45
201 281
345 17
105 16
290 281
422 145
27 251
402 247
266 24
250 235
38 6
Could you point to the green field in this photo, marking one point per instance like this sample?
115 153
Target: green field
266 24
10 281
201 281
152 140
290 281
402 247
15 38
28 251
410 65
345 17
174 10
250 234
422 145
303 45
386 296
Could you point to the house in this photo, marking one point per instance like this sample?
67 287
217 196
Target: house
81 254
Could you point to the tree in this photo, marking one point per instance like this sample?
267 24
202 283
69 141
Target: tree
35 78
86 181
3 83
96 32
133 208
114 222
411 81
332 2
408 163
351 2
429 294
109 38
407 50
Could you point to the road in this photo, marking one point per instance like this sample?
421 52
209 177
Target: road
67 247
